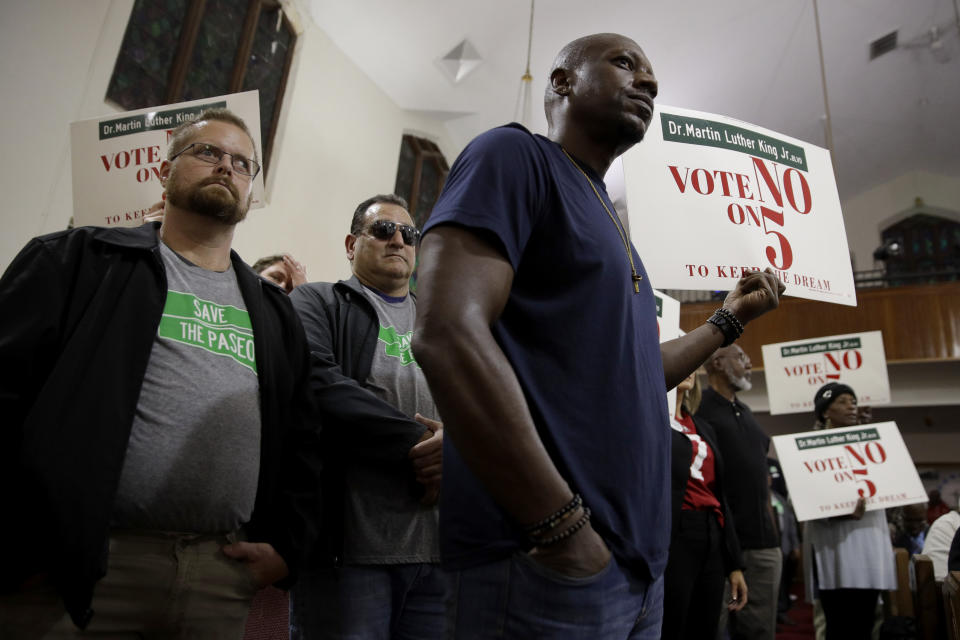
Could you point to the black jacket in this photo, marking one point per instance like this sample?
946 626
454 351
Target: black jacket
680 456
743 445
342 331
80 311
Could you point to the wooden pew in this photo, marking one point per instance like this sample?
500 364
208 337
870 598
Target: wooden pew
900 602
928 601
951 604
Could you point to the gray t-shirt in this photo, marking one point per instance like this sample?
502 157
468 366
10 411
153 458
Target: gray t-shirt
193 458
385 522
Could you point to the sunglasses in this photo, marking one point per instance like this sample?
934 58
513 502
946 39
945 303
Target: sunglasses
384 230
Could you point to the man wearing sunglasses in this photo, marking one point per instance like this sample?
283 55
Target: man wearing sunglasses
157 455
378 576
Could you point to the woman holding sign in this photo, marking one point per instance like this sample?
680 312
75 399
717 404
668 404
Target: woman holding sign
851 558
703 543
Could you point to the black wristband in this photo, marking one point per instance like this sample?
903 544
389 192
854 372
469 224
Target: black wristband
729 325
734 320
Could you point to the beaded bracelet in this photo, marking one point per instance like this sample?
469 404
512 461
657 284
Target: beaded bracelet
566 533
729 325
553 520
734 320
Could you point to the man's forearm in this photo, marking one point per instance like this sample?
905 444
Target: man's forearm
682 356
465 282
464 285
371 428
487 417
755 294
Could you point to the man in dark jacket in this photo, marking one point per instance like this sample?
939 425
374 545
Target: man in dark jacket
157 466
743 445
378 577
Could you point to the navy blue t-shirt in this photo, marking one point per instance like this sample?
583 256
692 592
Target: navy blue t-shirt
583 344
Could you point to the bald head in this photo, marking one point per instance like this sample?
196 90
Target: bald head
576 52
599 101
715 362
571 58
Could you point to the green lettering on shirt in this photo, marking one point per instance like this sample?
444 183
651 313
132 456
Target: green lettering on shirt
222 330
397 345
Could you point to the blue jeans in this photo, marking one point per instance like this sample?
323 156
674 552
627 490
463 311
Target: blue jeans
375 602
520 598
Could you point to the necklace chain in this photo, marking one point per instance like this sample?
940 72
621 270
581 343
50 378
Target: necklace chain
636 277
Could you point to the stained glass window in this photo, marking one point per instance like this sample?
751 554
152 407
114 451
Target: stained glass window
215 49
421 172
140 75
175 50
267 66
929 244
405 170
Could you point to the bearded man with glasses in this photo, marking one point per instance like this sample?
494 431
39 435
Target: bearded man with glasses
743 444
157 456
377 576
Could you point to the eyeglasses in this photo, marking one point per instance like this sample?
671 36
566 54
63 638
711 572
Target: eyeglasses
213 155
384 230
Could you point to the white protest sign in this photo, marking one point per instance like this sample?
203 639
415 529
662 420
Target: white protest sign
826 471
795 370
116 159
668 323
668 316
711 197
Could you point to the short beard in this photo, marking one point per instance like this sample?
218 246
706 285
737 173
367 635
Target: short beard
211 204
740 384
624 136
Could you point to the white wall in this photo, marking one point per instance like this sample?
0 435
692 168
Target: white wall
56 57
866 213
338 141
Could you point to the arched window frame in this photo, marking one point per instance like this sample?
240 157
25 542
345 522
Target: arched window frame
260 17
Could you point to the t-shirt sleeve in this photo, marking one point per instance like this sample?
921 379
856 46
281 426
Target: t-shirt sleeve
497 185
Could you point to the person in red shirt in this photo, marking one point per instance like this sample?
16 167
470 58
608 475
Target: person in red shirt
936 507
703 544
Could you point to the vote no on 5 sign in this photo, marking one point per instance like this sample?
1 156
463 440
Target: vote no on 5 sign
795 370
828 470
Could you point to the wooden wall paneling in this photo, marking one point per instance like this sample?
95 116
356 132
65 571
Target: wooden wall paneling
918 322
